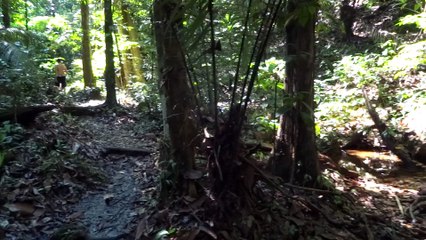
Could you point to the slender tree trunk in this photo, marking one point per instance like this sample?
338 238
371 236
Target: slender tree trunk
89 81
297 150
52 9
126 67
26 16
120 81
5 6
136 55
111 99
179 106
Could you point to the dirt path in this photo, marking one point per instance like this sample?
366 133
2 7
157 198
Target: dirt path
113 210
60 177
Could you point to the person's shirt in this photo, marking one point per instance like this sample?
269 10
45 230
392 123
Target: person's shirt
61 70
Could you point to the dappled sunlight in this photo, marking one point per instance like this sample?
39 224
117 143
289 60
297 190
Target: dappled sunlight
91 103
312 130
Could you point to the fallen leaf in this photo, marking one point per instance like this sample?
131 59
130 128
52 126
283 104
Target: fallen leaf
4 223
208 231
47 184
25 208
39 212
46 219
141 229
75 215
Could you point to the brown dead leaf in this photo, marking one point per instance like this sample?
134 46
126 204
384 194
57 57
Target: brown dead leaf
12 196
46 219
75 215
141 229
47 184
208 231
24 208
39 212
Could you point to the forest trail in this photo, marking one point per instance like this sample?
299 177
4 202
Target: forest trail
103 194
112 210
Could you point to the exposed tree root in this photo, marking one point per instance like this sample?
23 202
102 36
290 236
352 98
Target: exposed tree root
126 151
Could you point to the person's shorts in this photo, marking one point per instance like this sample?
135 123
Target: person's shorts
60 82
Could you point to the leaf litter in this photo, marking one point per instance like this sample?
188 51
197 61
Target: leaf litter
58 177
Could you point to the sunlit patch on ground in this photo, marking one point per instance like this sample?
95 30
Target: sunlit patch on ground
91 103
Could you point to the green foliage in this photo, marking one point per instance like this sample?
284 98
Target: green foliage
386 69
10 136
418 19
63 36
143 94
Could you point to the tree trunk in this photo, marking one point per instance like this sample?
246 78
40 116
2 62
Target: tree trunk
298 127
52 9
136 56
5 6
86 50
174 86
111 99
126 67
26 15
120 78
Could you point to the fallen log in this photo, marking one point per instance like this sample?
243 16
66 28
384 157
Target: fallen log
24 115
82 111
389 140
126 151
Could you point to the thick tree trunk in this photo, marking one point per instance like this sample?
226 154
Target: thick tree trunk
111 99
174 85
5 6
86 50
136 56
298 128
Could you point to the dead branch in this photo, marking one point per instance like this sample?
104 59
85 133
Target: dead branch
388 139
126 151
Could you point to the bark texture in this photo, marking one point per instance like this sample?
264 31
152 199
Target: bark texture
5 6
136 56
174 86
296 139
111 99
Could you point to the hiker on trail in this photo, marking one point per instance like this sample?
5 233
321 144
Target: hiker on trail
61 73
